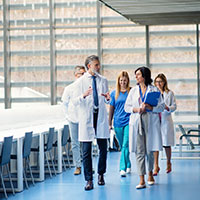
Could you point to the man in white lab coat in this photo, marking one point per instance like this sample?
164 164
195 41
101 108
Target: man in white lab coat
91 95
71 116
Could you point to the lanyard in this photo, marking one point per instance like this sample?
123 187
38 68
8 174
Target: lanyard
142 97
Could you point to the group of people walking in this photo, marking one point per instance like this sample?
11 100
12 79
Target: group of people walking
139 127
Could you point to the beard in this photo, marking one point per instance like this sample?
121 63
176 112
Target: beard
95 71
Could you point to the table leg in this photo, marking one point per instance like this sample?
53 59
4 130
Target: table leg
41 157
59 142
19 165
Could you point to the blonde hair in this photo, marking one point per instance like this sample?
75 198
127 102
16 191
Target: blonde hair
164 79
122 74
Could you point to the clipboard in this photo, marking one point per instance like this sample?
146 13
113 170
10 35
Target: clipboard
152 98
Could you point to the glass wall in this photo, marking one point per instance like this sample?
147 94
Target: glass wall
1 57
30 67
173 52
78 28
75 37
29 50
123 45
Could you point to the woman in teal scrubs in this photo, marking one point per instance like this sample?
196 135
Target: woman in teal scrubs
121 119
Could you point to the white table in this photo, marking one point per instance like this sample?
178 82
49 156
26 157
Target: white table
40 129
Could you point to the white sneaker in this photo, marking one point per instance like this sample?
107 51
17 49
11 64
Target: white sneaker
128 170
123 173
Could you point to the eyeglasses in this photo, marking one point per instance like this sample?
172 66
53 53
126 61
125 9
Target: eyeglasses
80 73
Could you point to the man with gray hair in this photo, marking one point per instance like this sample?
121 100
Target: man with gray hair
71 116
91 94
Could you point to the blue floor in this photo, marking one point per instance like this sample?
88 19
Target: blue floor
182 184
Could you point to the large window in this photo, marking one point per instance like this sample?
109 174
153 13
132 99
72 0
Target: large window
173 52
47 41
1 57
30 67
123 46
75 37
29 50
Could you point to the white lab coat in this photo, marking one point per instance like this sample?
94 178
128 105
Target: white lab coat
70 110
167 125
154 131
85 108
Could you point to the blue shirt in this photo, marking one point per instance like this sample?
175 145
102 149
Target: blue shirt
121 118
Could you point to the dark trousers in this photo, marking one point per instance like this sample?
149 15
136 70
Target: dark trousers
87 155
87 158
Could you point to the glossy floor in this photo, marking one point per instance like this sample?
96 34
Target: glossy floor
182 184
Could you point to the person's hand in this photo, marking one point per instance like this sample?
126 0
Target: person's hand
142 108
166 107
138 110
106 95
110 127
147 106
88 92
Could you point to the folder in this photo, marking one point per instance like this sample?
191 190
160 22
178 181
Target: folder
152 98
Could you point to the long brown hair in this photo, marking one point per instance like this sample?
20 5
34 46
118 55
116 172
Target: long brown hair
164 79
122 74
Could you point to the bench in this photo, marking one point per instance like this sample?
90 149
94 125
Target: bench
188 137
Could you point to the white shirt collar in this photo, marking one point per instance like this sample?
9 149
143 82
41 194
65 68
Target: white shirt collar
90 75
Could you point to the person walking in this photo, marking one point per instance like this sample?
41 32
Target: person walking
167 125
144 125
121 119
91 96
71 116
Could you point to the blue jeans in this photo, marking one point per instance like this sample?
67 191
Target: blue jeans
75 143
122 134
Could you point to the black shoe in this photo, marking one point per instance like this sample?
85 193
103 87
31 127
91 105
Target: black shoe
101 180
89 185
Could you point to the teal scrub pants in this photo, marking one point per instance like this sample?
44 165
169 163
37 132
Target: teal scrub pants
122 134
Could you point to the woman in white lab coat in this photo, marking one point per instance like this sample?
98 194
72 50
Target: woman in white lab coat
144 127
167 126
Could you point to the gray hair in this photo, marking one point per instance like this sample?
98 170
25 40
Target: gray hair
90 59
